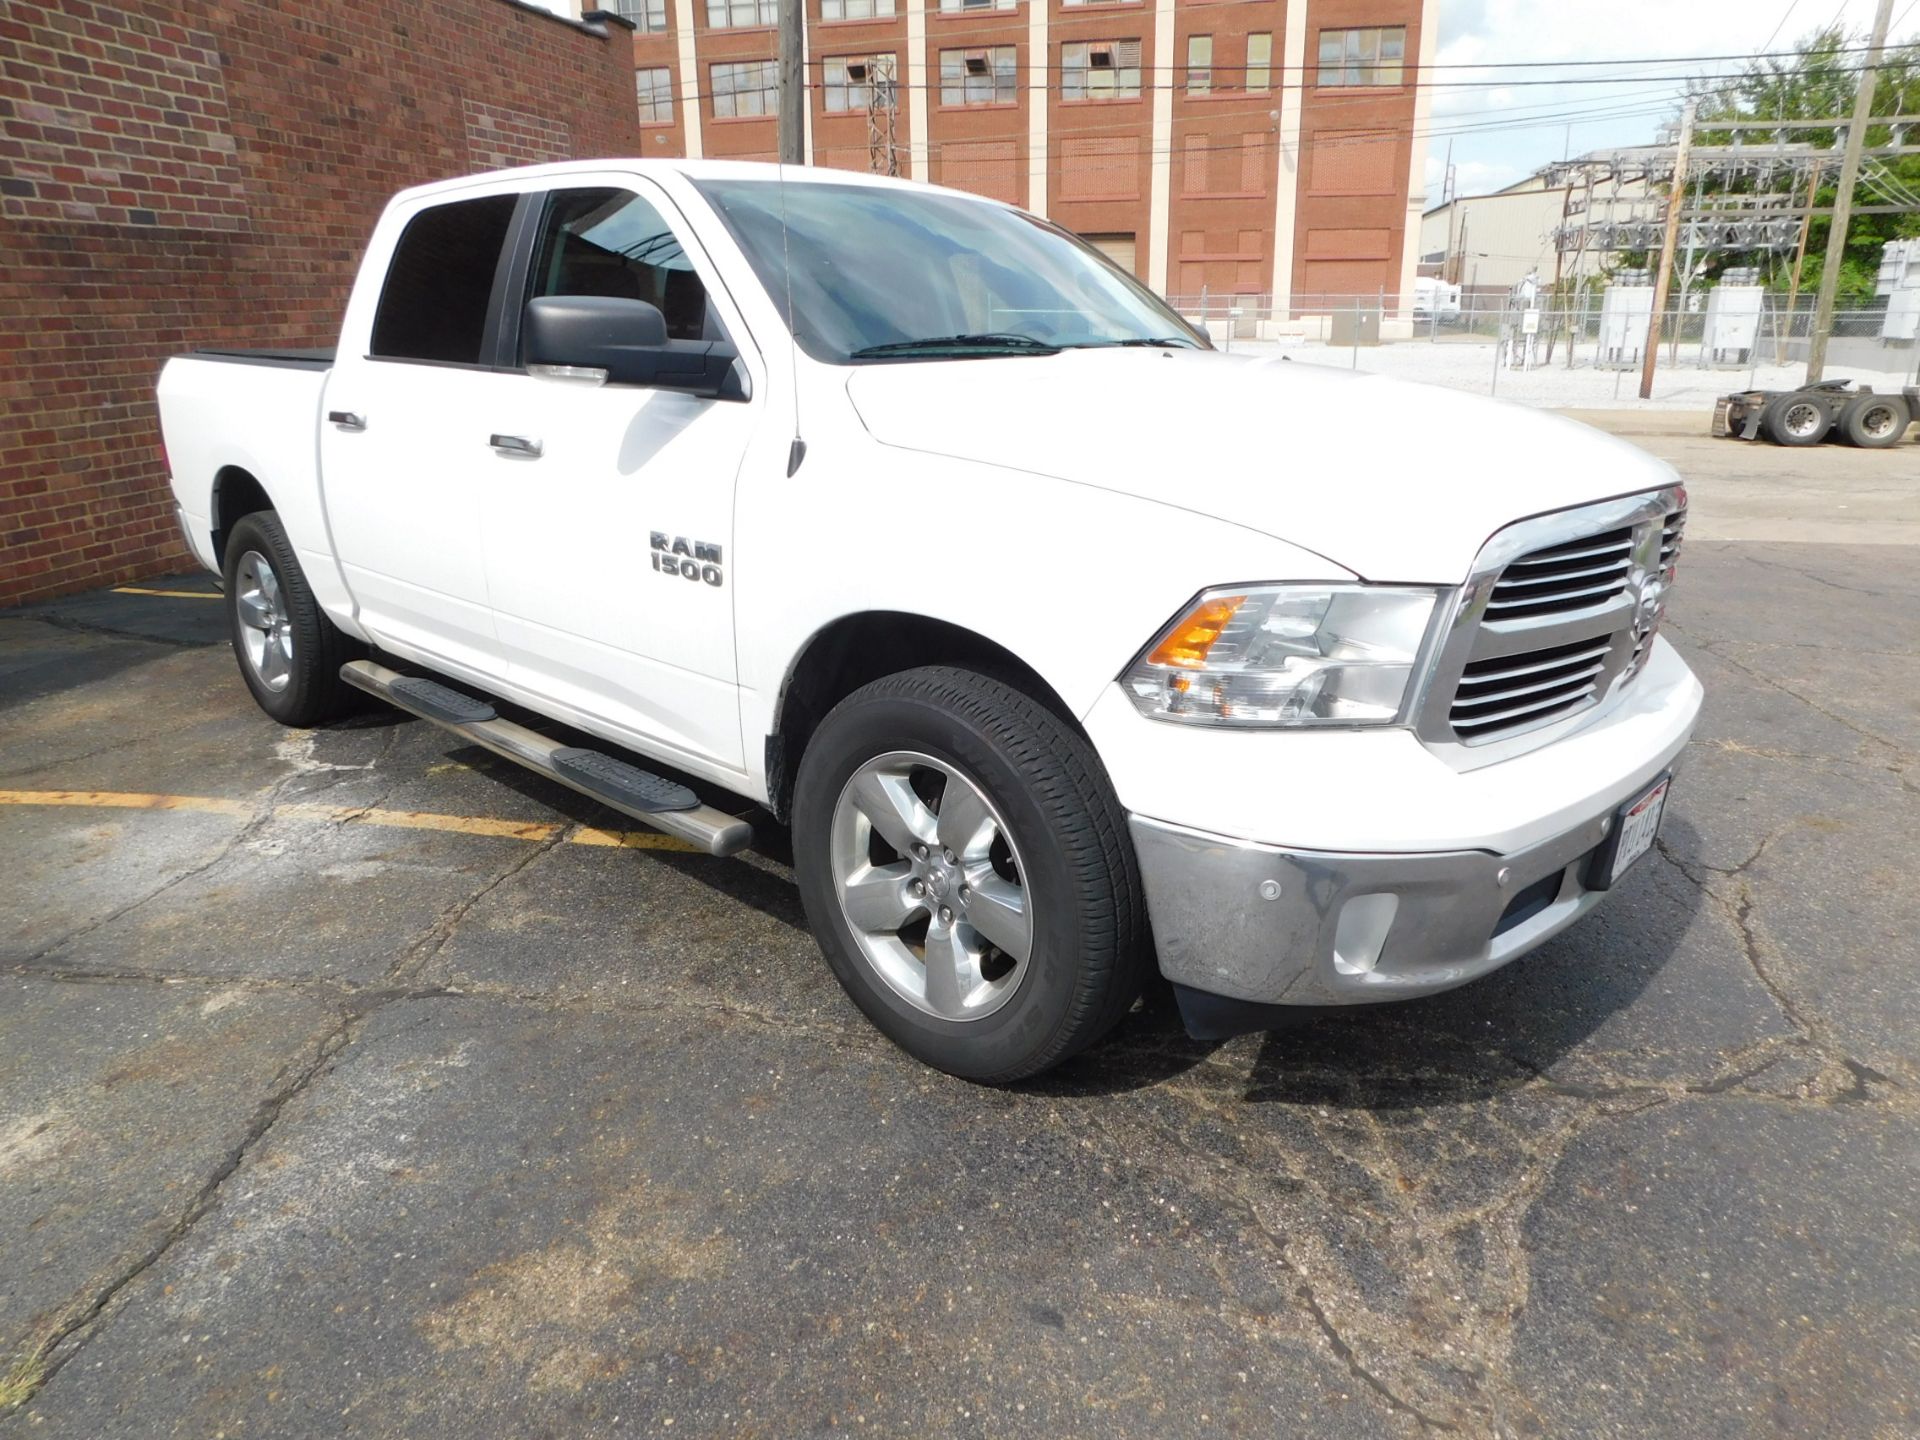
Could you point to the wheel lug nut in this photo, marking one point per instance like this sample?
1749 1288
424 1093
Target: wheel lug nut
920 852
948 856
918 888
965 894
946 916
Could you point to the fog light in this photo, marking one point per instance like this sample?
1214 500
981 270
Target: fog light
1361 933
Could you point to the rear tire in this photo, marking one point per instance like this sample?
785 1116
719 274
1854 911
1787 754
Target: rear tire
1797 420
937 789
289 652
1874 422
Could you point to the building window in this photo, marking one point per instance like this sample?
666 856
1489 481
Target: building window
1363 57
854 82
856 9
1259 61
950 7
1199 64
978 77
738 14
655 89
648 16
746 88
1100 70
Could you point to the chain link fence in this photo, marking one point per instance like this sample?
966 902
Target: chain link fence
1472 343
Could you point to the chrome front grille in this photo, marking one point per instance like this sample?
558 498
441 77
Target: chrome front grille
1508 691
1557 615
1561 578
1671 534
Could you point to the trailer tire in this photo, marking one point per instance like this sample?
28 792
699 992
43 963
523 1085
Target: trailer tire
1797 419
1874 422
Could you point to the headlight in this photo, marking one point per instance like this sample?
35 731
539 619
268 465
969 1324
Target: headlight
1286 655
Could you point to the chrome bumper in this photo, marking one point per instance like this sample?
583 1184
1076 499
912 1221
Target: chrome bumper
1301 927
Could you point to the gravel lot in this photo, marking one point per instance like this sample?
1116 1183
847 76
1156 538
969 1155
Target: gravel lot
353 1085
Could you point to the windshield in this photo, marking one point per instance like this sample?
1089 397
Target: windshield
880 273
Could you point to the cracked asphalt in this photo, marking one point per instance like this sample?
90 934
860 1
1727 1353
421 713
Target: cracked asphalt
368 1087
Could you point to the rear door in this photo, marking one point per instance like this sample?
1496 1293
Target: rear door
609 533
404 431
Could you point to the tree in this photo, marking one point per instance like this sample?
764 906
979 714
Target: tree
1817 82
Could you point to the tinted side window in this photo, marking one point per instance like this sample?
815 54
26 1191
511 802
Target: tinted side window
611 242
434 303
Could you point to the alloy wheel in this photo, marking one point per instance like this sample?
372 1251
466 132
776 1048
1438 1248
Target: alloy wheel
930 882
266 630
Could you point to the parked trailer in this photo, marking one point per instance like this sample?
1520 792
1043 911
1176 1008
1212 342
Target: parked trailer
1827 411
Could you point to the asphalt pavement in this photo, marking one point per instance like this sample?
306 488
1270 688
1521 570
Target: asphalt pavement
355 1084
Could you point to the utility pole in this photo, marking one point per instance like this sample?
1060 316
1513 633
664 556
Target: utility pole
1843 201
1676 198
1799 264
1559 261
793 123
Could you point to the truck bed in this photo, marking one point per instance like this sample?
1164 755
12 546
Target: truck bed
256 412
319 358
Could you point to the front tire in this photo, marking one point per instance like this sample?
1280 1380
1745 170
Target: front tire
966 869
290 653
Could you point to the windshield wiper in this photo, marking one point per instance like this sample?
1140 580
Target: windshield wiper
933 344
1179 342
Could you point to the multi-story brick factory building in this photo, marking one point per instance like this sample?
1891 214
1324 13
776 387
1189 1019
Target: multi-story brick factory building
1240 148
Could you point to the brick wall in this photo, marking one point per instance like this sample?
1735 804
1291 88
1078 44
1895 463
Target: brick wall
176 173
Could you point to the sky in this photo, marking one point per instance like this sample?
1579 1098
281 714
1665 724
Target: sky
1519 127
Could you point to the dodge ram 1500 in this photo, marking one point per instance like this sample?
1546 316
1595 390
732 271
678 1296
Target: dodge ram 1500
1061 642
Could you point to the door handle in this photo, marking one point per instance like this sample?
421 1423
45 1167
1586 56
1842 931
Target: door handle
515 445
347 419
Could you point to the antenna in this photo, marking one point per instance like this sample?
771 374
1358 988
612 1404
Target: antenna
792 147
797 451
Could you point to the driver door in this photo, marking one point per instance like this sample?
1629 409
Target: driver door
608 509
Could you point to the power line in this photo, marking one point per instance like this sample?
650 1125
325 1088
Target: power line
1791 7
1441 130
1404 85
1653 101
1056 161
1015 32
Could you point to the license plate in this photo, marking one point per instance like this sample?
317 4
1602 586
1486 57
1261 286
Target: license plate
1634 829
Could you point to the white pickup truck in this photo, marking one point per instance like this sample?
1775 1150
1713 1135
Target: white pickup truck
1061 641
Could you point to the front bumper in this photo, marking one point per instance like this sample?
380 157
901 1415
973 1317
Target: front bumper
1302 927
1272 924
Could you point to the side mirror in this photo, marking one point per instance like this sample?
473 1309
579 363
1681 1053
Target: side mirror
624 342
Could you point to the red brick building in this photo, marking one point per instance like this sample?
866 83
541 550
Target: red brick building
188 172
1254 148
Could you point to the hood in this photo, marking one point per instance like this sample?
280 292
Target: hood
1394 481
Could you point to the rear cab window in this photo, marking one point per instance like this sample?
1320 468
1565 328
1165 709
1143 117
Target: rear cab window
439 287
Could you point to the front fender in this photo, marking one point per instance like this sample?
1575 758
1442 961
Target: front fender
1071 579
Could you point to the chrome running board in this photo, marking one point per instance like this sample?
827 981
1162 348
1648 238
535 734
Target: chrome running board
653 800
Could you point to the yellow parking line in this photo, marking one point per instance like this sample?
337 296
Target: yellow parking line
533 830
123 800
421 820
168 594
